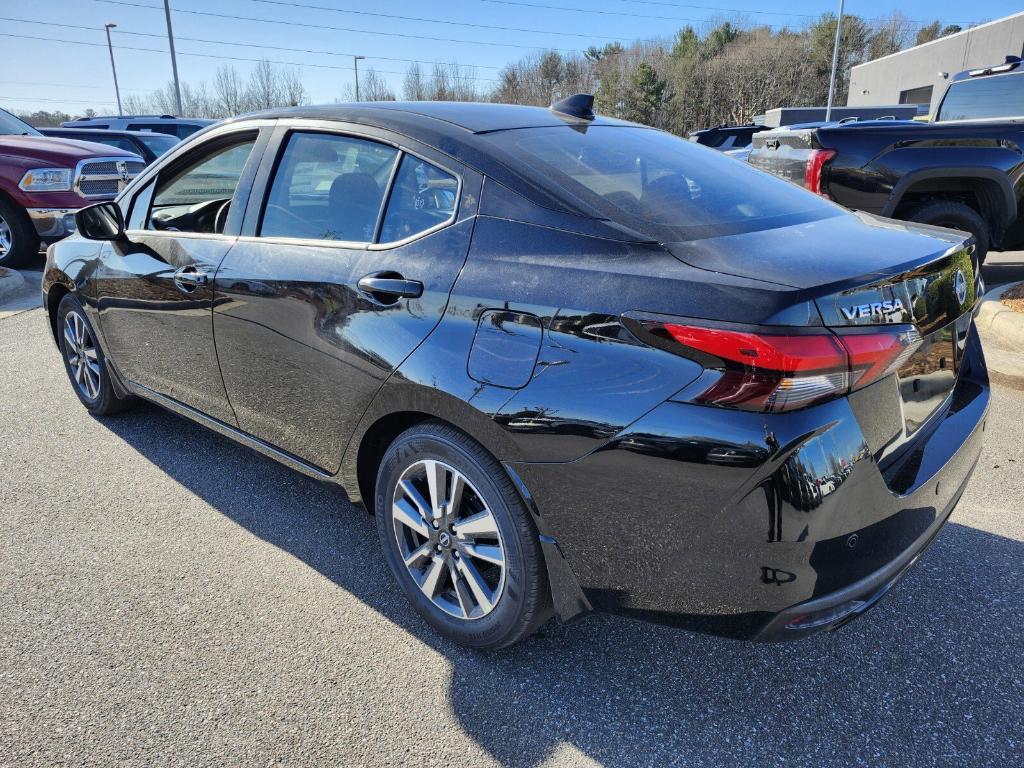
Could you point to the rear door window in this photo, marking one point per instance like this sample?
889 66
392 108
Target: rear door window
328 187
423 197
984 97
171 130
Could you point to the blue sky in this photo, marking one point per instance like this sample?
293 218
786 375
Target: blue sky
39 74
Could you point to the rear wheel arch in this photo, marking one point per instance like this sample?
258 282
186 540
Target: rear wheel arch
987 191
362 459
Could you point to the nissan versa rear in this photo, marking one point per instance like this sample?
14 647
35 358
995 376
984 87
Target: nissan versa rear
568 362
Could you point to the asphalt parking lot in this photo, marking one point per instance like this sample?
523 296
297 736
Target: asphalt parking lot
170 598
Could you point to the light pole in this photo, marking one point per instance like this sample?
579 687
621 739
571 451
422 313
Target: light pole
355 63
110 47
174 59
835 63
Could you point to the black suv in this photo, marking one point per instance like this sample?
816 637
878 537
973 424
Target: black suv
965 170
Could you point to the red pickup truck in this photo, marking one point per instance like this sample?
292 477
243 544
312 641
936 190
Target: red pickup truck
43 181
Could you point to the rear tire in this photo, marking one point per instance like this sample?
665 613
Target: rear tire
84 361
946 213
19 242
469 560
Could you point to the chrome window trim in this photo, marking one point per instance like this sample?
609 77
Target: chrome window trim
363 245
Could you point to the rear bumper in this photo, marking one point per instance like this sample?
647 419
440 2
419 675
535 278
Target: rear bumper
738 524
53 223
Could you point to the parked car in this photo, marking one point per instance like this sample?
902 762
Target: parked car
568 362
726 137
146 144
182 127
43 181
963 170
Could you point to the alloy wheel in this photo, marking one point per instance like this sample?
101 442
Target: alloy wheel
449 539
80 351
6 237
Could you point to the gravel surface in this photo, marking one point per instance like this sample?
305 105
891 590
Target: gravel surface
170 598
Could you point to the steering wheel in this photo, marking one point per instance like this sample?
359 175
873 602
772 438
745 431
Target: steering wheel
280 209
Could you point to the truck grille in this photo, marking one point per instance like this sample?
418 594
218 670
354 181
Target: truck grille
105 177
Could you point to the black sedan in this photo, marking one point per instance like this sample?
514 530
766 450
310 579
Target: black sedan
570 363
146 144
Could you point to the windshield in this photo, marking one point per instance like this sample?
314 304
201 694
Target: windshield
158 143
10 125
658 184
984 97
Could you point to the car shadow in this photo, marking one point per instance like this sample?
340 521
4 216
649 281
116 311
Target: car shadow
932 675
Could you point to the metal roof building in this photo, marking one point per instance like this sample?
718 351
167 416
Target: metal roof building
919 75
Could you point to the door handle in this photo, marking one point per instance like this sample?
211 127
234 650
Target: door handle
388 287
189 278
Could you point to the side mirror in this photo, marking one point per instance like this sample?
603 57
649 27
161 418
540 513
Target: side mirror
102 221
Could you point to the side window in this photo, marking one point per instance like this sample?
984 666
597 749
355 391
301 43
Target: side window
328 187
196 198
115 141
423 197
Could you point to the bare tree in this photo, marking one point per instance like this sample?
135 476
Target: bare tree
265 89
890 34
413 87
292 89
372 87
229 91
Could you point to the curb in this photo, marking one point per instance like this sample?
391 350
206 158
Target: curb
999 320
11 282
1002 336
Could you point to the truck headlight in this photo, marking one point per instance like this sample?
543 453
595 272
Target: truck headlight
46 180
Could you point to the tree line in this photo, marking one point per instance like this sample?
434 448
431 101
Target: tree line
726 74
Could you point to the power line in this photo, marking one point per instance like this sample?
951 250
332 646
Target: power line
630 14
209 55
470 24
245 44
54 101
280 22
767 13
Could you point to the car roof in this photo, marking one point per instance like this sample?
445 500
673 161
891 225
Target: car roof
458 129
86 122
106 132
469 116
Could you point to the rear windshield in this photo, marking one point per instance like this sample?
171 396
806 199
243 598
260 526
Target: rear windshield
978 98
658 184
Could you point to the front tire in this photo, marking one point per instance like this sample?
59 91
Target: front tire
84 360
459 540
946 213
19 241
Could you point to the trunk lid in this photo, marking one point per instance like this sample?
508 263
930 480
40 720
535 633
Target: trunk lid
863 271
933 302
823 253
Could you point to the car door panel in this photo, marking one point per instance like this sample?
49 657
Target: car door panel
154 289
159 334
302 350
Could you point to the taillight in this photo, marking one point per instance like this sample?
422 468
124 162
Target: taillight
815 168
772 371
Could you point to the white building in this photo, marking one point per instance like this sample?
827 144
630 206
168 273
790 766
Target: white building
919 75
